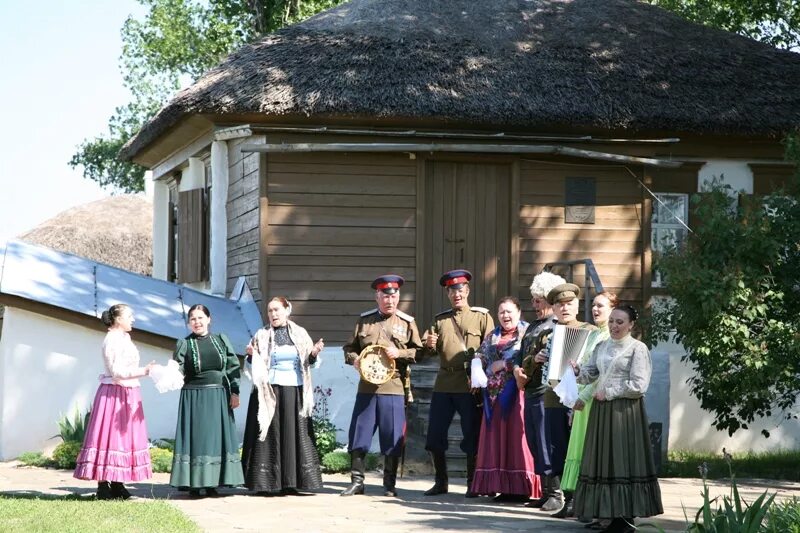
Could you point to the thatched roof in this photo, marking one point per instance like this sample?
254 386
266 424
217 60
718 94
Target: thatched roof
117 231
528 64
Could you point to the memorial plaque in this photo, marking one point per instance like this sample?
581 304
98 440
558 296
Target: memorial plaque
580 198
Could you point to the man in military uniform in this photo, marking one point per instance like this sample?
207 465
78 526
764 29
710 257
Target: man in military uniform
456 335
564 300
380 405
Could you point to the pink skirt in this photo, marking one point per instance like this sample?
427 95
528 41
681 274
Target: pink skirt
505 463
115 447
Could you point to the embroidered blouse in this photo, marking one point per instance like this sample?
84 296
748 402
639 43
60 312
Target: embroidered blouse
121 358
620 368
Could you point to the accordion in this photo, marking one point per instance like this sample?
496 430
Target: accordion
564 345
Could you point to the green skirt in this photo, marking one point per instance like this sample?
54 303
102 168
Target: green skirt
206 447
618 477
577 437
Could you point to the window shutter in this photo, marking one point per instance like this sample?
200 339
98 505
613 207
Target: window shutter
172 274
191 236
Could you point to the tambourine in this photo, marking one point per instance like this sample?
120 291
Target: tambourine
375 365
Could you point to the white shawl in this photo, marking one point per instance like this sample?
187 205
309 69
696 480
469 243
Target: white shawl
262 344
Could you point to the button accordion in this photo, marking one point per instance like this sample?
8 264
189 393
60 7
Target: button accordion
565 344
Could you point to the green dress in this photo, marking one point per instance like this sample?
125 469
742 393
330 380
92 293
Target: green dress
580 419
206 443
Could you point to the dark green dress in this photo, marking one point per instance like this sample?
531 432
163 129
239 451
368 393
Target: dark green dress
206 444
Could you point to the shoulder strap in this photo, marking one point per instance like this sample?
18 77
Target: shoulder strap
459 333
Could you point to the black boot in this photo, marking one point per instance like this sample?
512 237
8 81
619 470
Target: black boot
471 460
103 491
440 469
568 509
547 483
119 492
555 501
390 464
356 474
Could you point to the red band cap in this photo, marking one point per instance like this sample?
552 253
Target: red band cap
456 280
387 285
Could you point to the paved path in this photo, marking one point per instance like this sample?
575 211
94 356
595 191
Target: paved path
238 511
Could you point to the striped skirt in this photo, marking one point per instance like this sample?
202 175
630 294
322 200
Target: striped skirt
618 477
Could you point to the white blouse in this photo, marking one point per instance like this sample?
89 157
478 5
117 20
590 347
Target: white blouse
621 368
121 358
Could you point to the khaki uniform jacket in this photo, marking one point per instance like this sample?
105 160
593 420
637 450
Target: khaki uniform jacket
454 361
398 330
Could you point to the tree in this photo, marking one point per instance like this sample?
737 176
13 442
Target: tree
734 302
177 42
776 22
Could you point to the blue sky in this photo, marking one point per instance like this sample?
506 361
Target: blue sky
60 84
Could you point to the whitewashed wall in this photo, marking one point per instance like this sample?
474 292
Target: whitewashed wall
691 428
49 368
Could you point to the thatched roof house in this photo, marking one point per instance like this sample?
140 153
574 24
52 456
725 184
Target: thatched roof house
117 231
507 136
533 65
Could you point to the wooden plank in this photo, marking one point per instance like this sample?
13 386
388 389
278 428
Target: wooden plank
349 236
343 168
588 246
327 158
375 217
516 222
264 231
324 251
333 290
384 262
319 271
583 231
420 295
335 184
312 199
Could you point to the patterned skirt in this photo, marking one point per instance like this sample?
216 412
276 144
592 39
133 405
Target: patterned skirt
206 446
115 447
287 458
618 476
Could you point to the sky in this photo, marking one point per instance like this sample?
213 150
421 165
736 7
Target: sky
59 85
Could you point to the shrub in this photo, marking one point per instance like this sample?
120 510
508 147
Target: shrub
325 436
34 459
66 455
339 461
161 459
164 444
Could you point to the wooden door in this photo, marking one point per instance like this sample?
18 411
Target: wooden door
466 225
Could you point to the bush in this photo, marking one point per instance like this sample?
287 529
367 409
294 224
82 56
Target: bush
161 460
784 517
325 436
34 459
339 461
65 455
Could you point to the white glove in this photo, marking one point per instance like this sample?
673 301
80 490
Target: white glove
478 376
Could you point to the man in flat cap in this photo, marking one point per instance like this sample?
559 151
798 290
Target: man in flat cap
455 336
551 437
380 405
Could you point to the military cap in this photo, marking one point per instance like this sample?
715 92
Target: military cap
388 284
563 292
455 279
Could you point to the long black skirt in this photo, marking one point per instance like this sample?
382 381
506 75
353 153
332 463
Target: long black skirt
618 476
287 458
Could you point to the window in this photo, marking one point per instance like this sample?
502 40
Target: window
190 226
668 226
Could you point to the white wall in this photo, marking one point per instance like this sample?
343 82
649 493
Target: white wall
50 367
737 174
691 428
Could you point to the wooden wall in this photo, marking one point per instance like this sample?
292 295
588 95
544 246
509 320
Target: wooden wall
243 215
614 242
336 222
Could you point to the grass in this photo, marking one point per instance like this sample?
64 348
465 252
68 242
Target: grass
783 465
73 514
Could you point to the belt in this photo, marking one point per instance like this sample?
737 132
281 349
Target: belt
452 368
